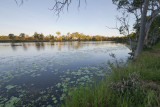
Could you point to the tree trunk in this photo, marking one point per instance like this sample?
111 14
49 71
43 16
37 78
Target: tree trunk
146 38
148 25
142 29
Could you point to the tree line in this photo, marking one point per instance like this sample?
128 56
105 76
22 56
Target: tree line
76 36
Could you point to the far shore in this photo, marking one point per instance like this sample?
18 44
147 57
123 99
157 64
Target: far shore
19 41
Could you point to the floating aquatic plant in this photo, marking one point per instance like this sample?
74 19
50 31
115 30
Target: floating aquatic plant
8 87
58 85
13 100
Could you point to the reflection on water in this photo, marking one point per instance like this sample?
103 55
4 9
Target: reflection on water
40 73
40 45
58 45
24 46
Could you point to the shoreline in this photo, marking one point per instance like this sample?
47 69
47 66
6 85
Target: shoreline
17 41
133 85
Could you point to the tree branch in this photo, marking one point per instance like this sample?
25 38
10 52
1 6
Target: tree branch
60 5
22 1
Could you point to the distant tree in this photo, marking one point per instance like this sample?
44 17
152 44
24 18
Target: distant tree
26 36
63 37
22 36
88 37
58 33
68 36
36 35
11 36
82 36
41 36
77 35
51 37
55 38
60 38
98 38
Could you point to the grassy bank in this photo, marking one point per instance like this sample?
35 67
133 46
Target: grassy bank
134 85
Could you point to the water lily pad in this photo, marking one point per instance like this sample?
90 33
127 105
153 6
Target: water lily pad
13 100
55 101
58 85
10 87
49 106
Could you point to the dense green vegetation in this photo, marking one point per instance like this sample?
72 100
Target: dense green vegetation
134 85
68 37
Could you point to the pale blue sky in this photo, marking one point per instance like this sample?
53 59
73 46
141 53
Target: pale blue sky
35 16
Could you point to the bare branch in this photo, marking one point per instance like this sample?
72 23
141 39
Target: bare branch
19 3
16 2
61 4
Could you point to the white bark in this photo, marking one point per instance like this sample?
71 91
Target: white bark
142 29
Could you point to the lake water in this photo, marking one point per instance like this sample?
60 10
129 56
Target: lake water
36 74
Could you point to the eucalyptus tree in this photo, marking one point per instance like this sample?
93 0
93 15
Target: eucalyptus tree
141 9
